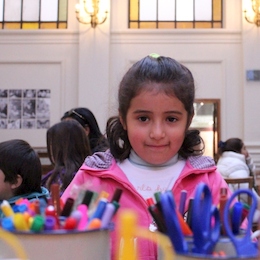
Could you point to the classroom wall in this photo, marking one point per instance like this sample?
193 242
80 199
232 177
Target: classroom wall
83 66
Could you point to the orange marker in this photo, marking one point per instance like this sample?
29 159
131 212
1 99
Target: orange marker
95 223
184 226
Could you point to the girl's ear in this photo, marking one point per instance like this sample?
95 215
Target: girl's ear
122 122
18 182
87 129
190 120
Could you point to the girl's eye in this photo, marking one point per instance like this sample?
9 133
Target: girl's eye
143 118
171 119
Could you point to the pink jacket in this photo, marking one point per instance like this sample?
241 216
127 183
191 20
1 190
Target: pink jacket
101 172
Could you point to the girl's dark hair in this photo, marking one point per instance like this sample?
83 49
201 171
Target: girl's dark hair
175 80
67 146
231 145
17 157
85 117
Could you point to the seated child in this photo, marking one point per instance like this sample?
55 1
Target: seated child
20 173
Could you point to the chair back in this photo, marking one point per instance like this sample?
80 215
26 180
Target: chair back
241 183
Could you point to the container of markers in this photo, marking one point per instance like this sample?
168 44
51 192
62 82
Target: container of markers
60 245
224 249
79 229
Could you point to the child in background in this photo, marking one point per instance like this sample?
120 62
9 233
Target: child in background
235 162
67 146
151 146
20 173
98 142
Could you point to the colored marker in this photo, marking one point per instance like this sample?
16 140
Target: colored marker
95 223
222 202
7 209
70 223
37 223
82 225
158 218
108 213
117 195
87 197
236 217
67 207
49 223
19 222
182 202
100 209
7 224
189 213
55 195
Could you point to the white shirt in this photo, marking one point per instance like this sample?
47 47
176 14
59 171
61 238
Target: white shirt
149 179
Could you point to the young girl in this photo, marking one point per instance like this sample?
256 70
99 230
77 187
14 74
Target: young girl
98 142
67 146
151 148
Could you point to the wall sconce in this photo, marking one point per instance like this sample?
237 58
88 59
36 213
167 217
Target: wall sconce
91 12
256 8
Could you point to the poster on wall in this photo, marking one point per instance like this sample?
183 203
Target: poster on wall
25 108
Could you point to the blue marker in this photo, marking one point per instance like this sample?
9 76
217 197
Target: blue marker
98 213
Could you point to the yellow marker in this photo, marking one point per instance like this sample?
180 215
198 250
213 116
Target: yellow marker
7 209
20 222
127 233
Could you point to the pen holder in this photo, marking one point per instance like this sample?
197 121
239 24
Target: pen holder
58 245
224 245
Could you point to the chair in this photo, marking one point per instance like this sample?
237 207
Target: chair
237 182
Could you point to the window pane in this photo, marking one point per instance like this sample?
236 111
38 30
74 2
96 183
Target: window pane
148 10
1 10
166 10
184 10
49 10
12 10
203 10
30 10
63 10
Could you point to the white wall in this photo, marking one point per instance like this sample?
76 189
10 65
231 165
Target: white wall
83 66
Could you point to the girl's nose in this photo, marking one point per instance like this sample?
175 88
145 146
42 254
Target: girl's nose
157 132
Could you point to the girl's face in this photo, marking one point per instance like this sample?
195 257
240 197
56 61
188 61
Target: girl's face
244 151
156 126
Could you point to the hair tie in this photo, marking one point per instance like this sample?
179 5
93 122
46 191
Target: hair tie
154 55
221 144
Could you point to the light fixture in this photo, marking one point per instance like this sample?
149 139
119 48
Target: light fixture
91 12
256 8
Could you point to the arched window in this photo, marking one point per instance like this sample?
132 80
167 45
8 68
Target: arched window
33 14
175 14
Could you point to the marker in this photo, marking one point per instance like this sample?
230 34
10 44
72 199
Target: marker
20 223
49 223
108 214
70 223
55 195
222 202
117 195
95 223
182 201
7 224
37 223
87 197
157 216
82 225
7 209
67 207
100 209
236 216
189 214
